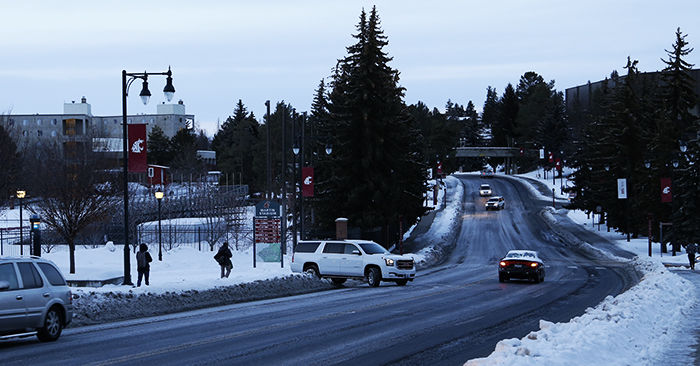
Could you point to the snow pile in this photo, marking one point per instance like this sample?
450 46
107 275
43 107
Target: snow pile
441 235
635 325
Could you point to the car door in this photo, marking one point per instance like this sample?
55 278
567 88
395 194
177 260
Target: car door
329 264
36 297
351 262
13 312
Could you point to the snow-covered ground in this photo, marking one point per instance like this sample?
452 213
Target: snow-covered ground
637 327
632 328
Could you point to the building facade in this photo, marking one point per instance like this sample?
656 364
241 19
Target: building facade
77 124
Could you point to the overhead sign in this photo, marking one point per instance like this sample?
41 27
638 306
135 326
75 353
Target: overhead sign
267 209
137 147
307 181
622 188
666 193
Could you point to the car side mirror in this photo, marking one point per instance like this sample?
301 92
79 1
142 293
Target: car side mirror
4 285
356 252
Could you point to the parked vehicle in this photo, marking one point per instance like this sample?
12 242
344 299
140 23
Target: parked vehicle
34 299
484 190
495 203
340 260
524 264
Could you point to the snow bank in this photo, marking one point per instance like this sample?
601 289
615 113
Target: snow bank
442 233
631 328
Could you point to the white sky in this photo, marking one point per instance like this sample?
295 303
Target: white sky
222 51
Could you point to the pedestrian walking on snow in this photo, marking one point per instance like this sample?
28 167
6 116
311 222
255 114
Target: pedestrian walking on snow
143 258
223 257
691 249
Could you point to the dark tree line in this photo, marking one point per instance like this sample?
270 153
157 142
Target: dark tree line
641 127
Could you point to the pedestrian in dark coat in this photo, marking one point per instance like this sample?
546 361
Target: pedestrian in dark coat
691 249
143 258
223 257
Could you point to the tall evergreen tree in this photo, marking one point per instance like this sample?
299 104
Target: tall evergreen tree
489 114
681 126
378 175
236 145
159 150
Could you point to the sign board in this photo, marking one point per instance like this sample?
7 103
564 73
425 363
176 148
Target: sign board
666 193
551 157
267 230
439 168
268 209
541 153
622 188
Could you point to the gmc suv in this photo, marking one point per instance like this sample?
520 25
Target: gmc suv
34 299
355 259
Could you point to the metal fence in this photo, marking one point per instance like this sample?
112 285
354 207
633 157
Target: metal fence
194 236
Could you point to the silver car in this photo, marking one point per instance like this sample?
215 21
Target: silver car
34 299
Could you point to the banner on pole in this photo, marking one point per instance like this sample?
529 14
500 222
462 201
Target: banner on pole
622 188
307 181
137 147
666 193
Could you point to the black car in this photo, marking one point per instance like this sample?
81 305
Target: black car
523 264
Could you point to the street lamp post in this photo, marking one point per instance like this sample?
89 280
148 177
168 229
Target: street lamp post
295 150
159 197
21 195
145 94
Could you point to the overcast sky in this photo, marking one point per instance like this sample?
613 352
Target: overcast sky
221 51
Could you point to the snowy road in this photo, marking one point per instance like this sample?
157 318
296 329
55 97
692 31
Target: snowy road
452 313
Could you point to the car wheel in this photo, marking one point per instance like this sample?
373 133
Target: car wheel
502 278
338 281
541 277
313 271
401 282
536 278
373 277
53 325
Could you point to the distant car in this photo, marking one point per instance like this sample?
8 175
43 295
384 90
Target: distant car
485 190
523 264
487 173
34 299
496 203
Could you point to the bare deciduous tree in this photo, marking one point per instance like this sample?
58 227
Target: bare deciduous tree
74 192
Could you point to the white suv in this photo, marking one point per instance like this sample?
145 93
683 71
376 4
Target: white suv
34 299
356 259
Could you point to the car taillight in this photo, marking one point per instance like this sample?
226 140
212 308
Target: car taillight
534 264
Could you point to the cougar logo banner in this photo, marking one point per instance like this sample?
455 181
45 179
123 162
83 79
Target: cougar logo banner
666 191
137 147
307 181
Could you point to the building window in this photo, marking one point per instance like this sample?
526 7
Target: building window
12 122
115 121
53 133
39 133
24 122
25 133
151 120
38 122
54 122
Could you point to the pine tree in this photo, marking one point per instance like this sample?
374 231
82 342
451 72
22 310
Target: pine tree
681 126
159 149
376 166
489 114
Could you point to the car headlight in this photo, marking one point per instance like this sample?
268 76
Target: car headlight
389 262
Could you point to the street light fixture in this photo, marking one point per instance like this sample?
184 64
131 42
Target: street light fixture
159 197
21 195
169 91
329 149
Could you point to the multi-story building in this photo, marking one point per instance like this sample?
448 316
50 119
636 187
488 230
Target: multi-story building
77 124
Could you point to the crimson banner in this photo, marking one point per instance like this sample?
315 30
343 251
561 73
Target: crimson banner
307 181
137 147
666 195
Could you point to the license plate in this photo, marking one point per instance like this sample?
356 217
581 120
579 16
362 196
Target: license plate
518 266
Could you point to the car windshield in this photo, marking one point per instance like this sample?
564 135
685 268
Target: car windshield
493 200
485 186
373 248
